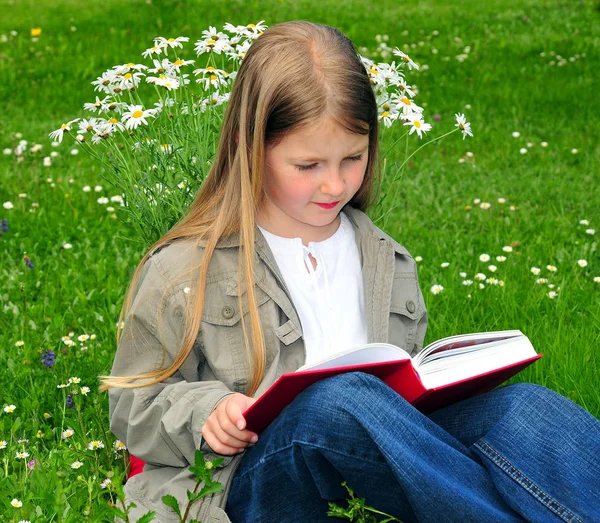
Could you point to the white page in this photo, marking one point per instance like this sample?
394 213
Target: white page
445 371
370 353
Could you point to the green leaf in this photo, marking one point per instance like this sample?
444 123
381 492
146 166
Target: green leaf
147 517
171 502
210 488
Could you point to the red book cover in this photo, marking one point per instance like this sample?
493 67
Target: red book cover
399 375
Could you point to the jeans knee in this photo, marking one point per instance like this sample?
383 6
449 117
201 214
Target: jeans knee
532 394
326 400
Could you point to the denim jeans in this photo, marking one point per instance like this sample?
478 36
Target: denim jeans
520 452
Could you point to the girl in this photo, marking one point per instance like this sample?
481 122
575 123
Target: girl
276 264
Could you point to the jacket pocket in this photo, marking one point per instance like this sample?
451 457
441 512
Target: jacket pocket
222 335
407 312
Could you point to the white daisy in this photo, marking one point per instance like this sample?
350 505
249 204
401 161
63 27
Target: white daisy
170 42
436 289
535 271
152 50
136 115
8 205
9 408
16 503
95 445
484 258
100 106
66 127
582 263
406 59
76 465
463 125
415 120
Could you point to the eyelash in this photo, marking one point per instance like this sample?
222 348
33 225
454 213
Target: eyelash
311 166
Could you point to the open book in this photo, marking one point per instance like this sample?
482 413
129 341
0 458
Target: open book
446 371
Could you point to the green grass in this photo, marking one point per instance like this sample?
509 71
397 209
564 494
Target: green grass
509 86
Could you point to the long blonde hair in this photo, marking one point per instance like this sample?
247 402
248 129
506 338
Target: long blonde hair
292 75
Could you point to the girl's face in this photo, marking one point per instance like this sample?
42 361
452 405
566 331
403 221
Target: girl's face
319 164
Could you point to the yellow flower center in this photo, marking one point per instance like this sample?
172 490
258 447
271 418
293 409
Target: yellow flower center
162 76
113 120
373 71
385 113
36 31
171 39
213 77
251 26
211 42
405 101
386 107
137 114
130 64
128 75
461 127
178 62
210 68
64 126
417 124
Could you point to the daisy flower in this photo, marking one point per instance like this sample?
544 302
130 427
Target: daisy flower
152 50
119 446
21 455
480 276
97 106
8 205
596 279
507 248
467 282
16 503
85 390
406 104
501 258
535 271
9 408
170 42
415 120
436 289
406 59
484 258
76 465
66 434
463 125
136 115
492 268
584 222
590 231
66 127
551 268
582 263
485 205
169 82
95 445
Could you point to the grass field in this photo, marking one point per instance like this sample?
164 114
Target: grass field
527 67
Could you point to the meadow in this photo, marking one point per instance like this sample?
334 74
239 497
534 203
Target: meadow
504 225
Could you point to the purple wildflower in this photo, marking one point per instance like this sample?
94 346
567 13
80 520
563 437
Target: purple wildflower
48 358
28 262
70 402
5 225
31 464
437 117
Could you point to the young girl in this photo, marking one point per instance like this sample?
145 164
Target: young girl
275 265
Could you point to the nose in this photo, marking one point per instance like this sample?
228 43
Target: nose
333 182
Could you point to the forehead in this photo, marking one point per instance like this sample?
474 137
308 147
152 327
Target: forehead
320 139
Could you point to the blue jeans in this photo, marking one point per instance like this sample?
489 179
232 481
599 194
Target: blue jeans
520 452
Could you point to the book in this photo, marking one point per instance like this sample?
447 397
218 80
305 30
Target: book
444 372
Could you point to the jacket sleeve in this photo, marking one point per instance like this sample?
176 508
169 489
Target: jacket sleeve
161 424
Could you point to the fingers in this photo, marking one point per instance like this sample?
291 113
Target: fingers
221 432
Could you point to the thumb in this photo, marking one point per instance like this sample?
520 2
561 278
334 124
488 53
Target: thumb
243 406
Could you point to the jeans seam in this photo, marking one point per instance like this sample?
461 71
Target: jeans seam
545 499
271 454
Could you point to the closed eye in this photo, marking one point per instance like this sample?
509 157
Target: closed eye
313 165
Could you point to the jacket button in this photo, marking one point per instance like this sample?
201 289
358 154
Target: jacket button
410 306
227 312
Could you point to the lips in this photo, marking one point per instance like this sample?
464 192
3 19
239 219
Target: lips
327 205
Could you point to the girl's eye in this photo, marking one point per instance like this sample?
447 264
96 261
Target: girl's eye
313 165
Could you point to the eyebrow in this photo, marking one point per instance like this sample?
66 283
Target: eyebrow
315 159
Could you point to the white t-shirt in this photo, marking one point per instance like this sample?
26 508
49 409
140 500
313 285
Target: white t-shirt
330 299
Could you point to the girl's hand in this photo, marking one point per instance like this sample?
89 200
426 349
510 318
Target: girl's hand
224 429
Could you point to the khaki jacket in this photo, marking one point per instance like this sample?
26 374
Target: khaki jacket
162 424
